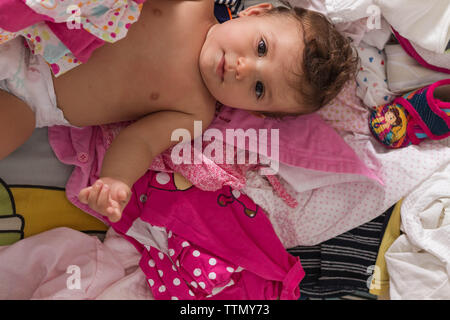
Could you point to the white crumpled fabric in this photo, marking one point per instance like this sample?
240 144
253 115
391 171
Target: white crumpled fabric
418 261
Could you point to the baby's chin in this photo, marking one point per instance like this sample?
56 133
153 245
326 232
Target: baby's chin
211 29
207 81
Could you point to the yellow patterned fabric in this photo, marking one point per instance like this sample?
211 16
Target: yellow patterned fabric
380 279
29 210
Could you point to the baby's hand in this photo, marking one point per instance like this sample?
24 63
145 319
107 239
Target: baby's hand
107 196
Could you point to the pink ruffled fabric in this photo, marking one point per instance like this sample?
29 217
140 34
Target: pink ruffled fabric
206 175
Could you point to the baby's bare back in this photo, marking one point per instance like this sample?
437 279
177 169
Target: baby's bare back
155 67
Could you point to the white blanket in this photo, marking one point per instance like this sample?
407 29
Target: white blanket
419 261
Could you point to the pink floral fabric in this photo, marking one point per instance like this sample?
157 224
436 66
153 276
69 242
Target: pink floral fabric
66 32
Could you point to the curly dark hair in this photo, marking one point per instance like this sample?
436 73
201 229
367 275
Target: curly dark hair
328 61
394 110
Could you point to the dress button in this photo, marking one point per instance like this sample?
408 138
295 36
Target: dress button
83 157
143 198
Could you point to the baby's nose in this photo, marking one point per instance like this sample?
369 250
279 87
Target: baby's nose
243 68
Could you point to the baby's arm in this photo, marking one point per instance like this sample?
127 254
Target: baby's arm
130 156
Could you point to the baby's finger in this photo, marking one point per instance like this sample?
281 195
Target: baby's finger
102 200
113 211
84 194
113 203
122 195
119 195
115 216
110 210
93 195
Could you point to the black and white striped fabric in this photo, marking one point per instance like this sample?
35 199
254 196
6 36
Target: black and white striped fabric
344 264
234 5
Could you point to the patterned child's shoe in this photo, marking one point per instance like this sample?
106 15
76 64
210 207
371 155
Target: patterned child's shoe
413 117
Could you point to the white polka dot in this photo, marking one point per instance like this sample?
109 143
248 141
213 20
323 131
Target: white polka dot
171 252
196 253
197 272
212 261
162 288
236 193
174 298
185 244
212 275
162 177
239 269
202 284
151 282
174 268
151 263
160 272
191 293
176 282
230 269
161 255
170 234
178 263
194 284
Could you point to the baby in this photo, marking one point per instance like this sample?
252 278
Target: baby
174 64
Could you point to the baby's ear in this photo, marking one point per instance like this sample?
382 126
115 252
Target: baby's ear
256 10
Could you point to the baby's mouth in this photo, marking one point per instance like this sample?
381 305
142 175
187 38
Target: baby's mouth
220 70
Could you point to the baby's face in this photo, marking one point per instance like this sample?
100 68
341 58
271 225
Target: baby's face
249 62
390 117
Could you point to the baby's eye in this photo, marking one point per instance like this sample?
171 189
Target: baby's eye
259 89
262 48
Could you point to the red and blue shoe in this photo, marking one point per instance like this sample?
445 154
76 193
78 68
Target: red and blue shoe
417 115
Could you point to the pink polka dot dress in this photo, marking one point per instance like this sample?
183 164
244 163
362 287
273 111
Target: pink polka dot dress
199 244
